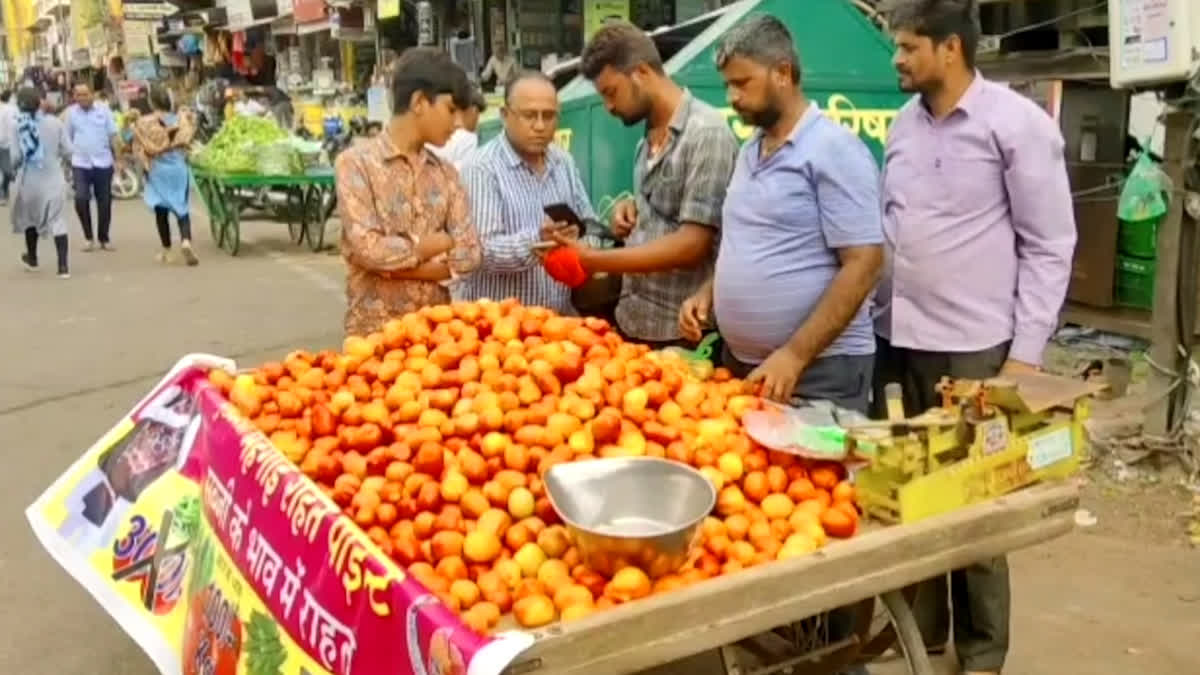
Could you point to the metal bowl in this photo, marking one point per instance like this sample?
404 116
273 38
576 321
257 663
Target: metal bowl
641 511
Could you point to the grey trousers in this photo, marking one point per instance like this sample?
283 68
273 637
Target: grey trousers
979 594
846 382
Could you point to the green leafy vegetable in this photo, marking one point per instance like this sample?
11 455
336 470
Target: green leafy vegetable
279 159
265 654
235 147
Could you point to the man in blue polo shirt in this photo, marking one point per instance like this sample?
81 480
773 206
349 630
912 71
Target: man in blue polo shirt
93 133
801 247
802 242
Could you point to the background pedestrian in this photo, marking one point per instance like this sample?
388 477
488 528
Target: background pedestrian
160 142
39 205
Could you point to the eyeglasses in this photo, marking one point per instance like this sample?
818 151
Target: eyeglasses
531 116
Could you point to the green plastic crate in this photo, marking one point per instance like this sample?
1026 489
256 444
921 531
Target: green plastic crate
1135 282
1138 238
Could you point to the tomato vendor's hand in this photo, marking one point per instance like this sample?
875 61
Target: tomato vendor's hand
694 314
624 218
1014 367
778 375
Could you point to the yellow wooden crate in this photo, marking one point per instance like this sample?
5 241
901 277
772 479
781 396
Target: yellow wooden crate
942 469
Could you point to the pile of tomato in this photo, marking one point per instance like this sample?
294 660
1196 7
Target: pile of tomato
434 435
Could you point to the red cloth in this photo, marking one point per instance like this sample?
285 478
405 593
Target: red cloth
562 264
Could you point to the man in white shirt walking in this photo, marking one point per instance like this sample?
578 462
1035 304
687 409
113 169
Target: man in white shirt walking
8 125
500 66
462 144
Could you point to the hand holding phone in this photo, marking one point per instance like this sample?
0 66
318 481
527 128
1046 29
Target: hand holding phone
561 213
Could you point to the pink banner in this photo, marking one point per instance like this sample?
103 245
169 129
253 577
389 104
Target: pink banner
324 581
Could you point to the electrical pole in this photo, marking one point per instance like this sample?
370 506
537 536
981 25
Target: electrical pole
1173 323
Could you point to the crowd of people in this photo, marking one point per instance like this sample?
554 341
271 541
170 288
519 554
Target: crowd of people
825 278
37 142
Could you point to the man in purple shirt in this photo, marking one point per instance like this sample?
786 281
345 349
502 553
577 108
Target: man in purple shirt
979 236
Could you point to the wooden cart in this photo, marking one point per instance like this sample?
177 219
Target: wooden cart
304 201
735 621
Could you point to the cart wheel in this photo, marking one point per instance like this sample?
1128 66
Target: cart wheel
295 215
908 635
883 634
216 219
807 647
126 184
231 237
314 215
329 201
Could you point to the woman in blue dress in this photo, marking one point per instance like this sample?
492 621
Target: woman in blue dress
160 142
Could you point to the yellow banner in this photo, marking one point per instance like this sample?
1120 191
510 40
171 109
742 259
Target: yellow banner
218 556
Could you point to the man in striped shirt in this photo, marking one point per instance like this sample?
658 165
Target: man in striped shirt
510 180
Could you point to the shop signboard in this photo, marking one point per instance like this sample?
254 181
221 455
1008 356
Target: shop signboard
388 9
97 42
308 11
137 37
246 13
240 14
597 12
140 10
141 69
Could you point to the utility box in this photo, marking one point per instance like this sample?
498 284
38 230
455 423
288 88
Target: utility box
1152 41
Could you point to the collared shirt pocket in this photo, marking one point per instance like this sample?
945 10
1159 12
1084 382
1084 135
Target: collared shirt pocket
972 183
663 189
911 178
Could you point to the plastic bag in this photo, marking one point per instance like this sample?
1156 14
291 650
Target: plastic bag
1145 193
816 430
279 159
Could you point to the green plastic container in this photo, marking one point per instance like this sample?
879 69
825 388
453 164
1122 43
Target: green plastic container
1138 238
1135 282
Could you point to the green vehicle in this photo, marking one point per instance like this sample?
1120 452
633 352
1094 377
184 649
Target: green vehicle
847 71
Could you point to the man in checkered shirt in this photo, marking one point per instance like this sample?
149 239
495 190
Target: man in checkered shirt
683 165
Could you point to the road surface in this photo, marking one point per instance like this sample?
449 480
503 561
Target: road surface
78 353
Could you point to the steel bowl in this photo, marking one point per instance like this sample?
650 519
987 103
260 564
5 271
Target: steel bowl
641 511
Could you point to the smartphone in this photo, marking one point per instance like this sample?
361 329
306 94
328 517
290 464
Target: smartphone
561 213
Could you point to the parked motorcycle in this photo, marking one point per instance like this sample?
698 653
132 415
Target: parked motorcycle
127 183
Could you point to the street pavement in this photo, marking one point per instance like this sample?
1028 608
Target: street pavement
78 353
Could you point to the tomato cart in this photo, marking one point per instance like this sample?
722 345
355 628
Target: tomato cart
1015 440
299 200
277 530
733 621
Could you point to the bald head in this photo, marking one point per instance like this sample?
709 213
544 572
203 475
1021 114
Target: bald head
530 112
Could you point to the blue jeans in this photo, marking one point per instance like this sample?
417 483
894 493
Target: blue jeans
97 181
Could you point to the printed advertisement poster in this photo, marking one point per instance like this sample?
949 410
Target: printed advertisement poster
217 556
